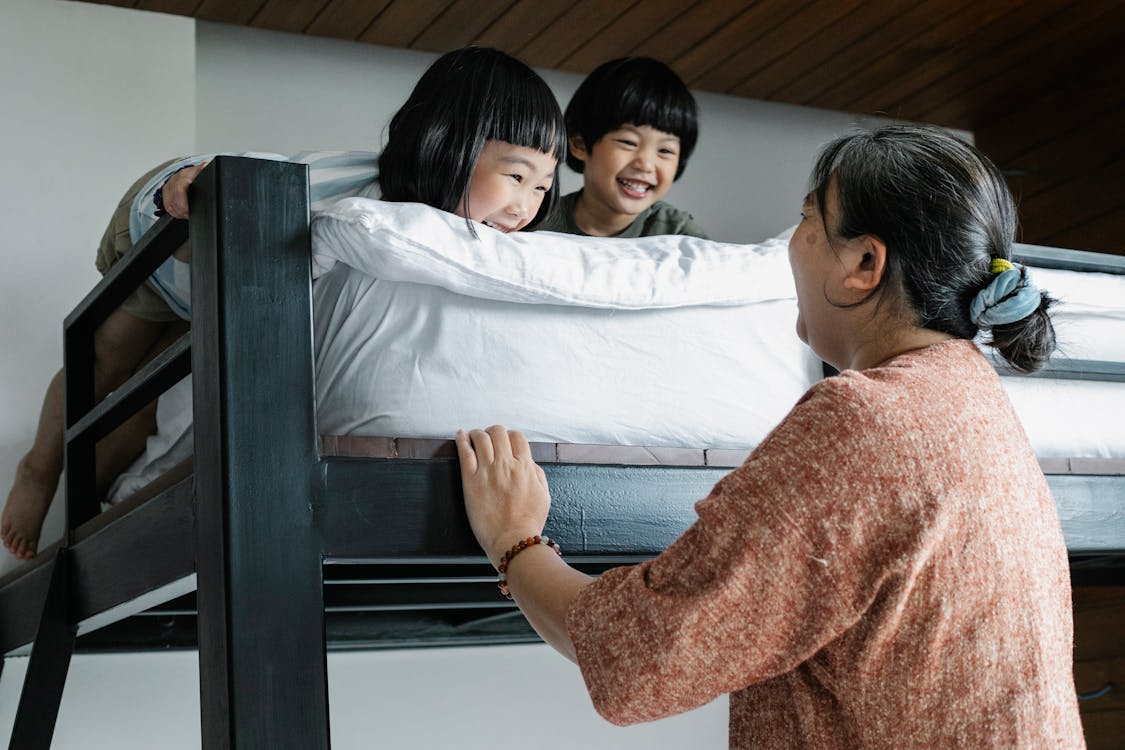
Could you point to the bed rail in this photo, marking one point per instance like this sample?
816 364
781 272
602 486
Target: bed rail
1062 259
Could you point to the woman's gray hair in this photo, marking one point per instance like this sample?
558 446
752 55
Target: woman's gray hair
944 212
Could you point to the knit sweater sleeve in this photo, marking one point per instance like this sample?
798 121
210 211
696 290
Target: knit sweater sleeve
787 553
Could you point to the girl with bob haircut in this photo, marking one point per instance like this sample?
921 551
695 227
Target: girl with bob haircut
481 136
466 99
886 569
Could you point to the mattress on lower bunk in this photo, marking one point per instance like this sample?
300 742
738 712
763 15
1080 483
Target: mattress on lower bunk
565 348
1078 418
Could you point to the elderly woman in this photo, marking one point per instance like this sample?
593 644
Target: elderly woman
887 568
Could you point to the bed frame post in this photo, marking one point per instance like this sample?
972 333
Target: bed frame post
46 669
263 676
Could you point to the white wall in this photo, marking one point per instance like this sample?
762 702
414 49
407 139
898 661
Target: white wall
73 79
744 183
92 96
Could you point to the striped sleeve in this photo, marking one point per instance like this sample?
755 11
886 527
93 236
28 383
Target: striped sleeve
339 174
332 175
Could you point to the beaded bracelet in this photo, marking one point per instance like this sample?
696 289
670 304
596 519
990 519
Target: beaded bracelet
531 541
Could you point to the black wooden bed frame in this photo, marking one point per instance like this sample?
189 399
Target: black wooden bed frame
289 552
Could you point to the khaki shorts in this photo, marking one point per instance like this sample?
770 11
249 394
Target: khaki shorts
145 303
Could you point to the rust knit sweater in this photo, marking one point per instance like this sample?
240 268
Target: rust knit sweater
885 570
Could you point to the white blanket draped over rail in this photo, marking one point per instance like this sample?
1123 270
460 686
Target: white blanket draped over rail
422 328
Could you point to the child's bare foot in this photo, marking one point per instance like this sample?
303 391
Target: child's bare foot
27 505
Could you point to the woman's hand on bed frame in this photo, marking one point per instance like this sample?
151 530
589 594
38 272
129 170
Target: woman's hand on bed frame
506 493
507 499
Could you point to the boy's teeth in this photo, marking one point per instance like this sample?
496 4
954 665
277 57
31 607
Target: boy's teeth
634 185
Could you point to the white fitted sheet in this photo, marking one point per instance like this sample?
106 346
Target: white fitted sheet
410 360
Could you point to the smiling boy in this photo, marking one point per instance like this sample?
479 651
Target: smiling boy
631 127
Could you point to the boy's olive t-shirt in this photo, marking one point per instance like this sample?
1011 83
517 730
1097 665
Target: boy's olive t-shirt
659 218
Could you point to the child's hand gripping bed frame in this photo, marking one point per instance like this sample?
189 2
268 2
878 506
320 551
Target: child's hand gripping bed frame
266 524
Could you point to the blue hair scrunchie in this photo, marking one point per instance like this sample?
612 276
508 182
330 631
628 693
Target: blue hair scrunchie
989 308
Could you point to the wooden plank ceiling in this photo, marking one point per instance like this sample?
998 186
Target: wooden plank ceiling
1038 81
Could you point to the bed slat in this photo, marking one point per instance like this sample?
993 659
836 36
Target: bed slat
395 508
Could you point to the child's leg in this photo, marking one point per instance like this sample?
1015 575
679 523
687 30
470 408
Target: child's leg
121 344
37 476
119 448
125 340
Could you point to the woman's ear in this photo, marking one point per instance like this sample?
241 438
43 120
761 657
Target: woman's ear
869 263
577 147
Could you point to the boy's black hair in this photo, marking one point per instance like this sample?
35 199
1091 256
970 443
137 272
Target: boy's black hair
636 90
465 98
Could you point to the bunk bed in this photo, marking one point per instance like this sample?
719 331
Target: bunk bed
277 544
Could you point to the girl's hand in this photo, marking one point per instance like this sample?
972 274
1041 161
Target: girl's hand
175 191
506 493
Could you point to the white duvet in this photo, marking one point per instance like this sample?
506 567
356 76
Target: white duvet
663 341
422 328
669 341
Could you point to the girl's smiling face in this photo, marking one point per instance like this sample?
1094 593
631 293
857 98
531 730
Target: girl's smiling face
508 185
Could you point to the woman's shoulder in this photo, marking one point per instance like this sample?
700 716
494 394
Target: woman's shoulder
834 412
843 395
953 362
914 383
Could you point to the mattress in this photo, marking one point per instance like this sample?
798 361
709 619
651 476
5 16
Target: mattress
1078 418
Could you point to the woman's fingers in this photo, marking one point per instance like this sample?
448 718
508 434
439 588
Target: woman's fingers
501 445
506 493
485 447
521 449
466 454
482 446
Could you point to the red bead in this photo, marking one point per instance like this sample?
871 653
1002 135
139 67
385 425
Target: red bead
507 557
